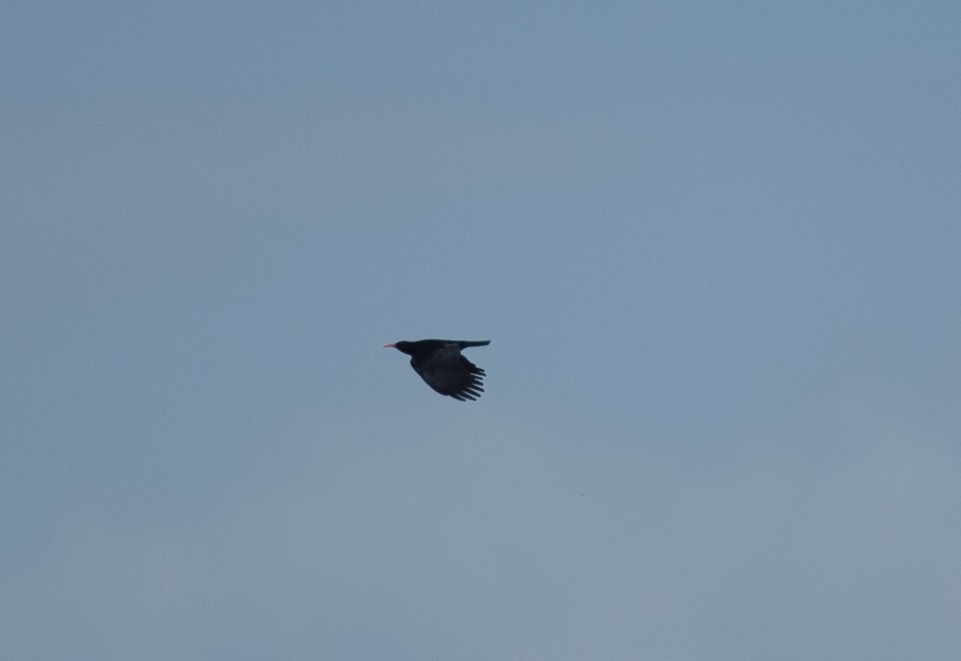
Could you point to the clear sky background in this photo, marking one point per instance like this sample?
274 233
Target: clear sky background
717 249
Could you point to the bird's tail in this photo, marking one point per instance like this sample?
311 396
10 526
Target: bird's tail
473 343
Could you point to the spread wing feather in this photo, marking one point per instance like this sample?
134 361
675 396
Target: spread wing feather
450 373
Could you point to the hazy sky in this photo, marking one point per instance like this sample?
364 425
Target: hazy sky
717 249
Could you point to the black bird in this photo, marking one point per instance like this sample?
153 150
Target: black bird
441 365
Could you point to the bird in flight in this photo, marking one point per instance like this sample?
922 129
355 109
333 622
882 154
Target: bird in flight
441 365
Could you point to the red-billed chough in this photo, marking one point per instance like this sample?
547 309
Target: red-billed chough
441 365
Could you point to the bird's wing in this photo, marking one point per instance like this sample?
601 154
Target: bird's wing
450 373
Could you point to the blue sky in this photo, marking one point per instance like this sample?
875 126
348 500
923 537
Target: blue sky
716 249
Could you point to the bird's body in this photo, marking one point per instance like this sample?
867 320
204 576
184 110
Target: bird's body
441 365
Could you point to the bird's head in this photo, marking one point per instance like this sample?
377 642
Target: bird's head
402 346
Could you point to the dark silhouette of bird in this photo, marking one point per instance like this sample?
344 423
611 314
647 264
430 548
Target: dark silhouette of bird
441 365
